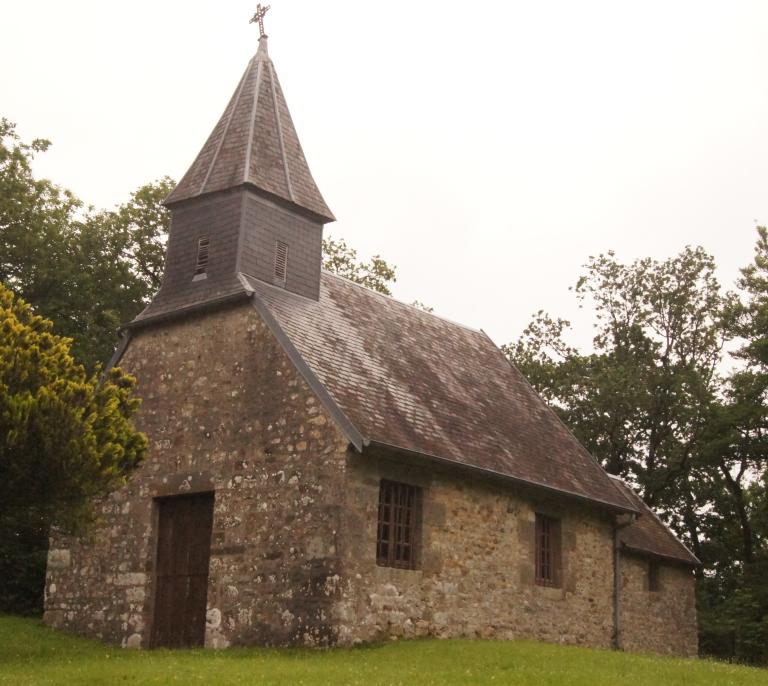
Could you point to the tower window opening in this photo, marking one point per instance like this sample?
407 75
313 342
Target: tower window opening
281 261
203 244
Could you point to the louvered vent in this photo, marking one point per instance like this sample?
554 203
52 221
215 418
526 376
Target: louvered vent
202 255
281 261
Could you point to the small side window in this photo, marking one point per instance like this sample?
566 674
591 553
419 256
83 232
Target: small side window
399 523
548 551
201 266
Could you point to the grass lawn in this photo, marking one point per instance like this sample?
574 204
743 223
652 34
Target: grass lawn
32 654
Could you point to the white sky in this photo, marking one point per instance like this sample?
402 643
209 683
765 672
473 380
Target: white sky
484 148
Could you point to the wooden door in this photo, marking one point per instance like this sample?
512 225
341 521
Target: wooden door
183 553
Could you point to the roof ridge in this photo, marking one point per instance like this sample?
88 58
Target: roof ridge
402 302
614 477
249 149
347 427
626 484
226 127
280 136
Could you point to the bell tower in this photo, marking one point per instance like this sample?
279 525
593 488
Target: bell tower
247 205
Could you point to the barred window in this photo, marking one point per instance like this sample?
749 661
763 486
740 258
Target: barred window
548 551
397 540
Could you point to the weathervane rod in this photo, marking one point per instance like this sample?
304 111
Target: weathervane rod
258 18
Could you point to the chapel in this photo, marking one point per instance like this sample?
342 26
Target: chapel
329 466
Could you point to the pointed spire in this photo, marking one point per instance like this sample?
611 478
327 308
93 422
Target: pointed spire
255 145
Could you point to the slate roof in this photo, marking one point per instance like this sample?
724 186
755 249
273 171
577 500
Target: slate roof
392 375
649 535
255 143
408 379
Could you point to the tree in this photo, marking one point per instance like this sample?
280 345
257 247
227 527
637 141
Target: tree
65 440
35 216
650 403
734 595
117 268
340 259
89 272
141 227
33 213
640 400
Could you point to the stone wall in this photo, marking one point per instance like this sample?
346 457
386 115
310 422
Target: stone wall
476 577
226 411
295 514
662 621
476 571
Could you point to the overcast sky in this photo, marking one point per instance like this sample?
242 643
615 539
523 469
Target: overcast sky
484 148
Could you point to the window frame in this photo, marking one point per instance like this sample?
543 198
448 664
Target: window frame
548 551
398 500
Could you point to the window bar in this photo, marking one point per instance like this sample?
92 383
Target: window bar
547 554
395 544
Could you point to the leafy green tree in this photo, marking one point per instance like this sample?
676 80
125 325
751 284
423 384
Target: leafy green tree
87 271
33 213
340 259
734 475
65 440
640 399
117 269
35 219
140 227
648 401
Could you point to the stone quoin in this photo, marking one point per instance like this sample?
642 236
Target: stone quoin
329 466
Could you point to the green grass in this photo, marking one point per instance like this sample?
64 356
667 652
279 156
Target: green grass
32 654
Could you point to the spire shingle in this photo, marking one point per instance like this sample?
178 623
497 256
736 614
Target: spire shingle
255 144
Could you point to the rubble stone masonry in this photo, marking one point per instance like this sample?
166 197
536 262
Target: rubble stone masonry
294 535
476 573
225 411
475 576
661 621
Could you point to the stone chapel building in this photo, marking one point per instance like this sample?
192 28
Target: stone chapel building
330 466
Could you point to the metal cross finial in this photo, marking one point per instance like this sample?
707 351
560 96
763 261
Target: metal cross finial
259 17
